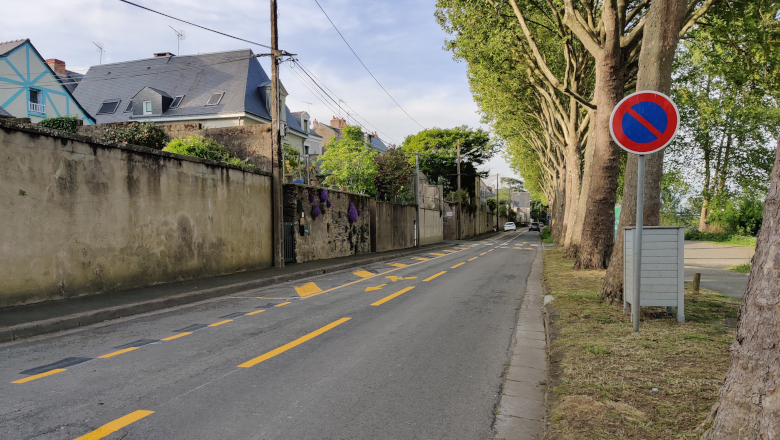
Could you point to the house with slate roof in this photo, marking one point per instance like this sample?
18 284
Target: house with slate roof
327 132
30 88
220 89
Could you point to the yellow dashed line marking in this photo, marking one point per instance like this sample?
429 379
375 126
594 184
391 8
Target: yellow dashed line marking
106 356
171 338
437 254
363 273
282 304
38 376
255 312
420 259
436 275
220 323
449 250
483 253
458 265
116 425
307 289
295 343
389 297
472 259
397 264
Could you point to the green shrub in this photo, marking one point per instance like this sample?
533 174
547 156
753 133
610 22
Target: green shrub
62 123
721 237
546 235
199 146
145 134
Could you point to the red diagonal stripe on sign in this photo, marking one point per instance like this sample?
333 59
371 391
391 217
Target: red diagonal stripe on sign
644 122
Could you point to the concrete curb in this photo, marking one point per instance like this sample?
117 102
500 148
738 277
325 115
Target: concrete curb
21 331
521 411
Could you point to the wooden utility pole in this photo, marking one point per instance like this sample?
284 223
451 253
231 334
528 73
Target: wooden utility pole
276 136
497 203
459 196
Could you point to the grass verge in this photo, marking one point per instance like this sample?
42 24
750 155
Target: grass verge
741 268
721 238
603 375
546 235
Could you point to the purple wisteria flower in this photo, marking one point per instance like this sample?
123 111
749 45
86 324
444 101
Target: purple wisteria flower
324 195
352 213
315 211
312 199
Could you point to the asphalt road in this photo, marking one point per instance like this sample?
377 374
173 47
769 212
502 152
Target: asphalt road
410 349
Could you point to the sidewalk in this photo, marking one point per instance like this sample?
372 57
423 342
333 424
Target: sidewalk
29 320
521 413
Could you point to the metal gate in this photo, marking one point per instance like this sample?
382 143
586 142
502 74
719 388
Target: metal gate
289 243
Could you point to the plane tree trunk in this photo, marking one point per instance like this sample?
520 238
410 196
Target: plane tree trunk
748 405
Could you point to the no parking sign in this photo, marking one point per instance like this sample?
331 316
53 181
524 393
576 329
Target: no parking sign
642 123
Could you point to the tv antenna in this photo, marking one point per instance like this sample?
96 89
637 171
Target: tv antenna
309 105
180 35
100 49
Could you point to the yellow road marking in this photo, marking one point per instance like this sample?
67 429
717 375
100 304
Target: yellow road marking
503 247
363 273
490 250
221 322
371 289
106 356
449 250
529 249
38 376
399 265
116 425
483 253
434 276
472 259
389 297
458 265
307 289
295 343
171 338
420 258
285 303
255 312
437 254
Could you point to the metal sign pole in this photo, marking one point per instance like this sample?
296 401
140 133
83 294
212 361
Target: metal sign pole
640 207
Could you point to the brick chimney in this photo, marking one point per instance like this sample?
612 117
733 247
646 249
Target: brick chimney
163 54
338 123
58 66
315 123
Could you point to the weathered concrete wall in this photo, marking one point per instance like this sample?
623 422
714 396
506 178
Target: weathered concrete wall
82 216
249 142
473 221
393 226
431 227
331 234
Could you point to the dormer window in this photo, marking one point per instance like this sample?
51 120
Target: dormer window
215 98
147 107
177 101
305 125
109 107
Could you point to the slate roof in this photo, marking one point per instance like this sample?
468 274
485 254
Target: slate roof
378 144
4 113
237 73
8 46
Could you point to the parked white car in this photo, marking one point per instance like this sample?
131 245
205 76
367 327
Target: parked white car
509 226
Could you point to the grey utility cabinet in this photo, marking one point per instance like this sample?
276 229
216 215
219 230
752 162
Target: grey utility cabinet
663 268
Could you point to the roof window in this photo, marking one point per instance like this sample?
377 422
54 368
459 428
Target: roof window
109 106
215 98
177 101
129 107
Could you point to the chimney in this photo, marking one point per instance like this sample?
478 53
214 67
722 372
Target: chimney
57 66
315 123
163 54
338 123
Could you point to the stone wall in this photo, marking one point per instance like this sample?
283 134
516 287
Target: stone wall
249 142
473 221
82 216
331 234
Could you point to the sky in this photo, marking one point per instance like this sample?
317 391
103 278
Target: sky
399 40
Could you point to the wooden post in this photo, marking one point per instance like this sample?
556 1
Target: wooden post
696 282
276 142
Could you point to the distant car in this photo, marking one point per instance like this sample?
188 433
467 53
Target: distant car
534 227
509 226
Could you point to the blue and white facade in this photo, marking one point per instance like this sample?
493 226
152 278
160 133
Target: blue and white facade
30 89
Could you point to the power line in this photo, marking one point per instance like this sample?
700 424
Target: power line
193 24
364 65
